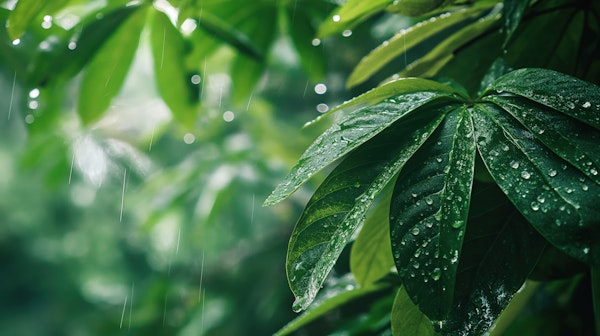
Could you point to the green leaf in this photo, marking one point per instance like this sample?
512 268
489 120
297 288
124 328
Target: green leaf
429 211
168 51
229 34
371 254
566 94
512 13
105 74
434 60
329 304
63 56
341 202
406 40
415 7
354 130
22 16
555 197
407 319
500 249
302 33
351 13
596 296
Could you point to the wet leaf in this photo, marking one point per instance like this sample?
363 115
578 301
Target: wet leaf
174 85
406 40
349 14
407 319
105 74
416 7
354 130
22 16
371 255
512 13
341 202
429 212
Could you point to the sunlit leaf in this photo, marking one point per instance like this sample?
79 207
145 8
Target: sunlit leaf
174 85
22 16
405 40
371 255
416 7
105 74
351 13
429 212
341 202
407 319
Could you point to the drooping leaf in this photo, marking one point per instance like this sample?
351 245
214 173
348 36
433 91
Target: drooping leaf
172 79
405 40
552 194
349 14
429 212
302 34
358 127
105 74
341 202
512 13
499 251
371 254
22 16
407 319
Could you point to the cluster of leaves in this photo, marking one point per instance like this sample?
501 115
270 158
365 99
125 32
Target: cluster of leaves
458 187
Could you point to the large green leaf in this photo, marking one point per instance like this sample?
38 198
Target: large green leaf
429 212
174 85
371 255
105 74
406 40
407 319
358 127
341 202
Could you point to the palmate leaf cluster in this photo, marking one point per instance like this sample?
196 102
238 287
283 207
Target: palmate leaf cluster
452 190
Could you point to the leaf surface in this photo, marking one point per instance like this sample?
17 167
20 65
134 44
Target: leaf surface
407 319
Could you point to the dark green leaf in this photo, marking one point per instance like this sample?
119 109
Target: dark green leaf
302 34
407 319
429 211
500 249
22 16
105 74
415 7
341 202
371 255
405 40
596 296
552 194
168 51
355 129
497 69
512 13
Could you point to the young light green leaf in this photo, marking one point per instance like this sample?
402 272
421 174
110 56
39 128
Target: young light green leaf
172 79
405 40
553 195
105 74
352 12
499 251
371 254
22 16
354 130
429 212
341 202
407 319
566 94
512 13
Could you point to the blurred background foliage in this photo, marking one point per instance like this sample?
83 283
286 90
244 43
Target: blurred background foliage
138 141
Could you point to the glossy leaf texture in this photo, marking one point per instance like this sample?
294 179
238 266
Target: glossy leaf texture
168 51
407 319
342 201
105 74
429 212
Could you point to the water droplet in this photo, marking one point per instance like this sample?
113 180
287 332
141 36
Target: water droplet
47 22
322 108
535 206
436 274
189 138
347 33
514 164
584 187
457 224
29 118
439 159
586 105
72 45
228 116
316 42
415 231
552 173
195 79
586 250
593 171
429 201
505 148
525 175
416 265
16 42
320 88
33 94
541 199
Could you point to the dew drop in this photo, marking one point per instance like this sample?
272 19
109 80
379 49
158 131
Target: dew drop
435 275
316 42
552 173
415 231
336 18
429 201
457 224
525 175
593 171
586 105
535 206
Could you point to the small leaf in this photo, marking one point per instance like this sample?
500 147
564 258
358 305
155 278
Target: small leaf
22 16
354 130
371 254
351 13
105 74
512 13
168 51
429 212
406 40
407 319
341 202
566 94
